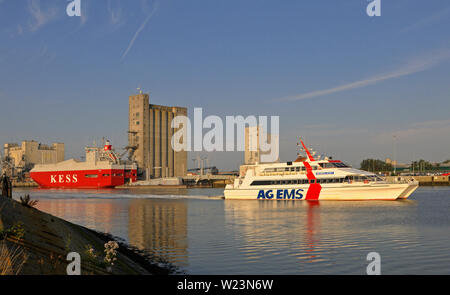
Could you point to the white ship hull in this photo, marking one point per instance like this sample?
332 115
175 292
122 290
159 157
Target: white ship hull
343 192
313 179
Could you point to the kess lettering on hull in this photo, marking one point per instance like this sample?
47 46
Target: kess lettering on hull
63 179
281 194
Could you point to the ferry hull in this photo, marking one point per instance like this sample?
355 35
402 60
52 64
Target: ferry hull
83 179
344 193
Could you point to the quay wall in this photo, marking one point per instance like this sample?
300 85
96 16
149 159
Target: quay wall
428 180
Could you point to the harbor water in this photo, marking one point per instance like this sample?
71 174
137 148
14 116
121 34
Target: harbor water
201 233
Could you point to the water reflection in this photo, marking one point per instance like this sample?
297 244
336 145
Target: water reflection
93 214
318 233
214 236
160 227
312 225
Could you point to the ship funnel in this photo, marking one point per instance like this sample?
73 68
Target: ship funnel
108 146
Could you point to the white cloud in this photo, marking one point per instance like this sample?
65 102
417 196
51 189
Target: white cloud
115 12
415 66
40 17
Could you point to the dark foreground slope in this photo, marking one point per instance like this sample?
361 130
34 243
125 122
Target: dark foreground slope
33 242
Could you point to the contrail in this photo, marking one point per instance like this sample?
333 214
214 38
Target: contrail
155 7
408 69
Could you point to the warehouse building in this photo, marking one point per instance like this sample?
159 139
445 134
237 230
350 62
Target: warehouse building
30 153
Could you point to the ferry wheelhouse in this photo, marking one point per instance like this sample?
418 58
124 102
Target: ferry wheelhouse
308 178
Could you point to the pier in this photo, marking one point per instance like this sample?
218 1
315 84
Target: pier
427 180
209 180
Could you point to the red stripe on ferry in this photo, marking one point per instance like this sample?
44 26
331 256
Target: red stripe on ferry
307 151
314 189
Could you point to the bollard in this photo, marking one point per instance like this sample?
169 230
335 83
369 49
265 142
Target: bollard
10 188
3 186
6 186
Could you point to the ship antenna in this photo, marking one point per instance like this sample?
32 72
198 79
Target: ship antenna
310 156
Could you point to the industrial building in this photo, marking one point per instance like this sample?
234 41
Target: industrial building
150 136
253 153
30 153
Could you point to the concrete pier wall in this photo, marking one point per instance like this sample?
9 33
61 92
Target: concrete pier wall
428 180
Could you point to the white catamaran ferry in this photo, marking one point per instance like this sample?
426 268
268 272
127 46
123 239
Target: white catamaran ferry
309 179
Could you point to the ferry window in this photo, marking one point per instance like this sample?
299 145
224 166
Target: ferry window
326 165
297 169
292 168
261 182
106 175
286 169
91 175
312 181
340 165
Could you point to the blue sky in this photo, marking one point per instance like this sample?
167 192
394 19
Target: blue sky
344 81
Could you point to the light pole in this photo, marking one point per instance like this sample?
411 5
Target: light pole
394 156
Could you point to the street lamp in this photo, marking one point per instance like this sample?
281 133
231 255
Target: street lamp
394 156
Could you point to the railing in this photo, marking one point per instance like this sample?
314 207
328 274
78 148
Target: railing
400 179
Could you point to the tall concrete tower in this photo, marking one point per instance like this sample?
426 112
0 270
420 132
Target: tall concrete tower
150 131
138 127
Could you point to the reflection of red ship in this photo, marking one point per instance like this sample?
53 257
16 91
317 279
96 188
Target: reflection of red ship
312 227
102 169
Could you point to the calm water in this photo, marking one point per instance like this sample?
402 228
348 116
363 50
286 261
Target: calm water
205 235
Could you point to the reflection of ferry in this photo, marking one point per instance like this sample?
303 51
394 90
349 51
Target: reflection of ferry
102 169
311 179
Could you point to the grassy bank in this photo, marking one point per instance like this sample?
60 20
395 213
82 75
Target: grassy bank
36 243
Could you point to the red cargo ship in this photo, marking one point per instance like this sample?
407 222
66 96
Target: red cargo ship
102 169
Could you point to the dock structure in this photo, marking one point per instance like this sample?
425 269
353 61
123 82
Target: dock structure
427 180
209 180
